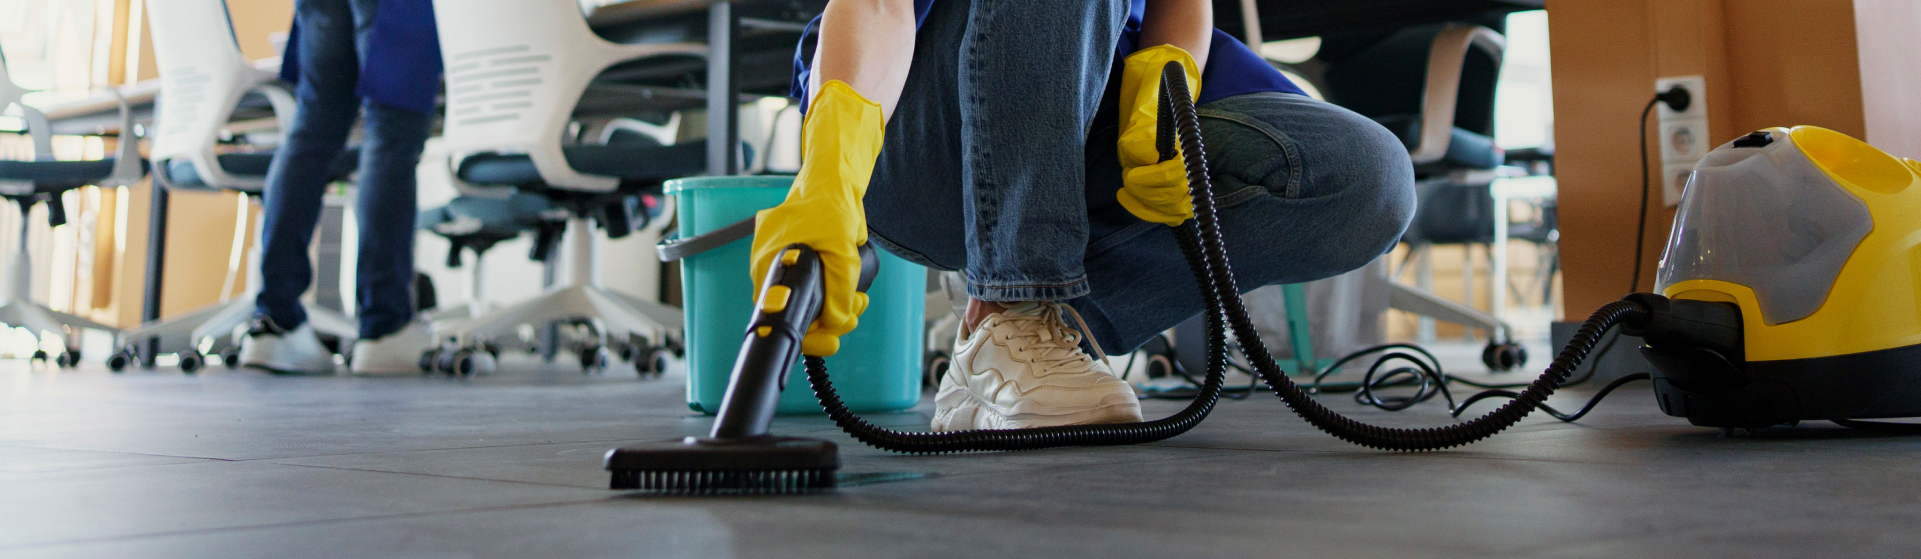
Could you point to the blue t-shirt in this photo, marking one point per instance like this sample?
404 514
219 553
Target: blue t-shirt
1231 69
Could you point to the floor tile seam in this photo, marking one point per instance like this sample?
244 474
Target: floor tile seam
1438 454
1042 468
404 451
437 476
319 522
44 447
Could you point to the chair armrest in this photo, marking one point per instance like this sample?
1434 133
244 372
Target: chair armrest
282 102
127 168
39 129
1445 61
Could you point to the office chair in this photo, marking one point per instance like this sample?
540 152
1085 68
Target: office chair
44 179
515 72
1433 87
204 78
476 223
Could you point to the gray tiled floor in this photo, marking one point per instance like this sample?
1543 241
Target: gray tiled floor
237 464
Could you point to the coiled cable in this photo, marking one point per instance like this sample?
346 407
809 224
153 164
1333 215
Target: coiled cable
1200 241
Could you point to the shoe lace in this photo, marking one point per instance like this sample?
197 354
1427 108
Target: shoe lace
264 326
1050 340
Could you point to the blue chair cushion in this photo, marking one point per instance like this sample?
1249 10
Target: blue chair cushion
181 173
485 218
637 166
48 176
1465 150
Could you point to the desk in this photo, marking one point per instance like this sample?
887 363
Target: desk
1289 19
763 38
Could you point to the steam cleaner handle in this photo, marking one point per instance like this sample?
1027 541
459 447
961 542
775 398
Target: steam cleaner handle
789 301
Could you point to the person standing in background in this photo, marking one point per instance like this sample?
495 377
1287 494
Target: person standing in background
380 57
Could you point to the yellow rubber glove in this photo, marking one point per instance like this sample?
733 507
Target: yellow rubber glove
1151 189
840 141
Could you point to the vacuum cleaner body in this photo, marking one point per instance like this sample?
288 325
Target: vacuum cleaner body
1797 256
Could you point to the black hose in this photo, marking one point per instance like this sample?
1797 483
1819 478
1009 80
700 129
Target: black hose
1200 241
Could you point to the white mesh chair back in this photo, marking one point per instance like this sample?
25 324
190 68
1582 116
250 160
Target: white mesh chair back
10 96
202 77
515 70
126 169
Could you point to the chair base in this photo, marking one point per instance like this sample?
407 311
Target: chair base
615 315
223 324
40 319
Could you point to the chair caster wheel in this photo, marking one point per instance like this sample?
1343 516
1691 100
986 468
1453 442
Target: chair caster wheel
1159 365
934 368
230 357
191 362
119 360
594 359
468 363
38 355
652 361
428 360
445 359
1503 356
67 359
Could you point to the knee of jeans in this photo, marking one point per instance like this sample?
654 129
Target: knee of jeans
1380 178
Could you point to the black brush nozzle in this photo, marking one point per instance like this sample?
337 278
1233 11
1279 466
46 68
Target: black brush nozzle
762 464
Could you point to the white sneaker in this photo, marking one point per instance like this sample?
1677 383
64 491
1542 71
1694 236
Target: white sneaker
1023 368
285 352
392 354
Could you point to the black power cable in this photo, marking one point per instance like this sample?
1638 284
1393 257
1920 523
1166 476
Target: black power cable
1677 99
1200 241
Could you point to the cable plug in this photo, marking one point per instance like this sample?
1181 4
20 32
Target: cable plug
1677 98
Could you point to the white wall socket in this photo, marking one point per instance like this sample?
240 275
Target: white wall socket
1683 135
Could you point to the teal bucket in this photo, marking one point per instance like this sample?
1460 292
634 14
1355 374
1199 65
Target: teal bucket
878 367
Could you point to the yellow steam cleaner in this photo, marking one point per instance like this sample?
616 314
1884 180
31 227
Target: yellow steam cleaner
1788 292
1793 272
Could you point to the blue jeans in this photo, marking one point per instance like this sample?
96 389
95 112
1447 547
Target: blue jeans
1001 161
332 37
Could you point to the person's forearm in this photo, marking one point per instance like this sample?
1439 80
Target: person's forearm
1188 24
870 45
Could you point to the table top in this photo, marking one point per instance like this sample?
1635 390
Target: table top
1287 19
765 49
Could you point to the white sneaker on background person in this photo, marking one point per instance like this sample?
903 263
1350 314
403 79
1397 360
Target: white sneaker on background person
392 354
282 351
1023 367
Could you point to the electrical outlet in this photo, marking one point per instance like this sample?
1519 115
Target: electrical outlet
1674 181
1697 87
1683 140
1683 135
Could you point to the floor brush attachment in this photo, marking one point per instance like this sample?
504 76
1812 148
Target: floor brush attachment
739 456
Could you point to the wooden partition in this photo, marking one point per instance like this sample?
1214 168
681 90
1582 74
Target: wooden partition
1767 63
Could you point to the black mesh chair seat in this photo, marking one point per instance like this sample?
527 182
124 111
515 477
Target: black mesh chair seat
58 176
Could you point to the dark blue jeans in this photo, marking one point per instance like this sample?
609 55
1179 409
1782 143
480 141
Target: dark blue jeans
1001 161
332 39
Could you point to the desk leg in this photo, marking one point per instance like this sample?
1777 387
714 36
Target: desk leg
1497 260
156 265
723 91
